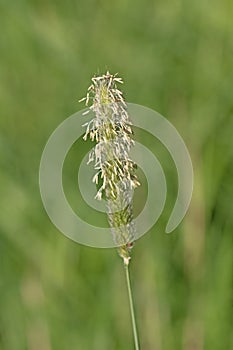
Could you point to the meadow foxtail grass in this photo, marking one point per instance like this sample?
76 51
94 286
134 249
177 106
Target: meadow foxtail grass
115 178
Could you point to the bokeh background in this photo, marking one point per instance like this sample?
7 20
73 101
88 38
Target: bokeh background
175 57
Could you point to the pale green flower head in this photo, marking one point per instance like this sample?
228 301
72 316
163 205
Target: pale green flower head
115 177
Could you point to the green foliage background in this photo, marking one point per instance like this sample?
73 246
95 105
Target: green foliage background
175 57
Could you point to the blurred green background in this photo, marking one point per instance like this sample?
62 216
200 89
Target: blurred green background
175 57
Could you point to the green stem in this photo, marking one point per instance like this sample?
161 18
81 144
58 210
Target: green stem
135 333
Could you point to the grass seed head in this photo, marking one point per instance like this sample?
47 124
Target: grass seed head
111 130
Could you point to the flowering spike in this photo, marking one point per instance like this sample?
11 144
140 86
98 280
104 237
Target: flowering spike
111 130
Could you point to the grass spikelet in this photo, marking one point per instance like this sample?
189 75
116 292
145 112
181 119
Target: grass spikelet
111 130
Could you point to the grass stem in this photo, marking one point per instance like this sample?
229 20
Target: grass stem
135 333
